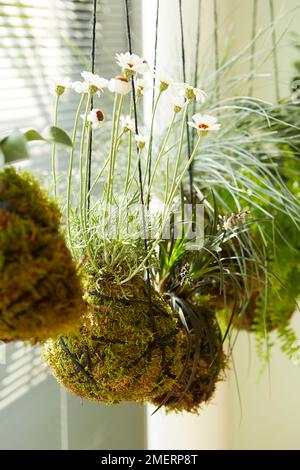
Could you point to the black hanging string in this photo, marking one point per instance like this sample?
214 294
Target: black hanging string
274 46
253 46
187 126
139 164
197 49
216 40
135 115
93 63
153 94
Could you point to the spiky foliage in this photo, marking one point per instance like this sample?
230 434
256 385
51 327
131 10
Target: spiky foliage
204 362
40 291
188 279
253 164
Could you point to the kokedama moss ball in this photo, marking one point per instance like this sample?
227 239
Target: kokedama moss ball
203 368
122 352
251 312
40 291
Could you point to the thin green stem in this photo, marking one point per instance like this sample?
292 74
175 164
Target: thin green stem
54 147
178 158
149 153
216 44
129 161
167 176
113 131
81 160
142 264
160 155
83 180
86 184
116 146
98 177
175 184
72 153
274 50
253 46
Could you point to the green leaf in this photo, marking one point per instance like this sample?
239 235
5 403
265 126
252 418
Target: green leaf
14 147
51 134
57 136
32 135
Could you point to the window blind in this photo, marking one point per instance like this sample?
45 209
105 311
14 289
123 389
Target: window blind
41 40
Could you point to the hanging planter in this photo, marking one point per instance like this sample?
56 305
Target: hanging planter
128 350
150 333
40 292
123 352
204 364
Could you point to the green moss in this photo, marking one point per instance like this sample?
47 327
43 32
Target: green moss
122 352
203 368
40 291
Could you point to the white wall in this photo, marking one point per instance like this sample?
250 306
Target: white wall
208 430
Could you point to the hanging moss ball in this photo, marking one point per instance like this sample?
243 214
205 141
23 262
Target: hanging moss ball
119 354
40 291
203 368
124 351
253 314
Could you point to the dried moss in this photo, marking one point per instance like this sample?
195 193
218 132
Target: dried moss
40 292
204 367
122 352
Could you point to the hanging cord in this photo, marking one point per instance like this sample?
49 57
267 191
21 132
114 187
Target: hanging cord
139 167
217 54
187 118
64 424
153 96
274 49
93 63
197 49
253 46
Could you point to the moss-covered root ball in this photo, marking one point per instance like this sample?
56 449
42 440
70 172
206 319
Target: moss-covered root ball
40 291
204 367
124 351
254 316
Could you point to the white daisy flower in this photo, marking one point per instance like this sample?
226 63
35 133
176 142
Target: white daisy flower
62 84
127 123
191 92
178 103
96 83
204 123
140 141
81 87
141 87
95 117
119 84
164 81
132 63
